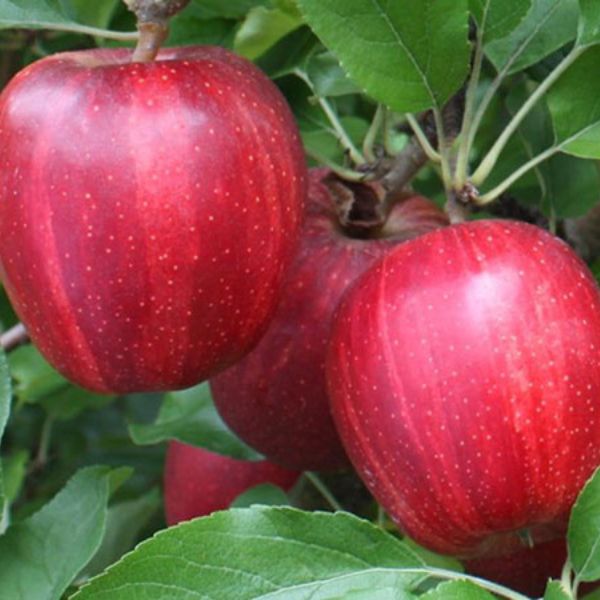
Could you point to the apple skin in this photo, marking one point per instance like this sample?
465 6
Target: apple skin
464 375
198 482
148 212
523 569
275 399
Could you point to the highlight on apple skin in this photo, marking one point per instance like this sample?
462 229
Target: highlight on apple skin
198 482
275 398
147 219
464 373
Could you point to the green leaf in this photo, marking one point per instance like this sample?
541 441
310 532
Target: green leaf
5 400
14 470
320 139
34 377
41 555
435 560
190 416
261 550
95 14
125 522
265 493
554 591
38 382
498 18
288 53
549 25
31 13
368 584
406 54
573 103
231 9
583 536
571 186
327 76
589 23
187 30
457 590
262 29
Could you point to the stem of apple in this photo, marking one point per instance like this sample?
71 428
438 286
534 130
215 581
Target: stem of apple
152 37
489 161
153 18
323 490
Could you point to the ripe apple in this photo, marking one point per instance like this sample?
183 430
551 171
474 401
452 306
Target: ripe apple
522 568
147 212
198 482
464 374
275 399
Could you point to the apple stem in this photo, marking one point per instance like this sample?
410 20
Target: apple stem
152 18
152 37
323 490
15 336
456 210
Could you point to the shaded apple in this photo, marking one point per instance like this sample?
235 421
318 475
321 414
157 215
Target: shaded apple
198 482
521 568
147 212
275 399
464 373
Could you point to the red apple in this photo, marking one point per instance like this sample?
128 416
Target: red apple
522 568
464 372
275 399
198 482
147 212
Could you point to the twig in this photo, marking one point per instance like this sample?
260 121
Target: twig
323 490
15 336
405 166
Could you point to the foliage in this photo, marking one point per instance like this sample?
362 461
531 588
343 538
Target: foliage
354 72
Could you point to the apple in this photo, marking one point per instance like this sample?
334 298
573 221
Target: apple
522 568
464 375
198 482
275 399
147 212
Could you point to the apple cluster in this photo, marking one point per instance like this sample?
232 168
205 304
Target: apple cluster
158 227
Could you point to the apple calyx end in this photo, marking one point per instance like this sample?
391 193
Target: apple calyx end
362 207
153 25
